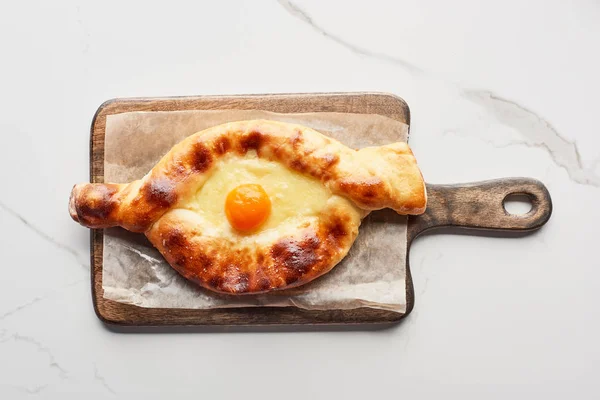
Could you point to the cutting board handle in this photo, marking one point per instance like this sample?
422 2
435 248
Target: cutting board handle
480 205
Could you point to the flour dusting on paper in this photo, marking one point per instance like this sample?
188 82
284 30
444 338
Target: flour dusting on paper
134 272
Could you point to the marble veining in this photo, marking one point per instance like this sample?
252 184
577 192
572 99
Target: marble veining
303 16
21 307
102 380
81 260
536 130
6 337
485 321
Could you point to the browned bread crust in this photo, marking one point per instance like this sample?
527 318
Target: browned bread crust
371 178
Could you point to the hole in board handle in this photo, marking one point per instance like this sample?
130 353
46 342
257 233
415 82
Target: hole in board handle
517 204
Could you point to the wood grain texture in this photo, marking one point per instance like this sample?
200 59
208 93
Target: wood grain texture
481 206
477 206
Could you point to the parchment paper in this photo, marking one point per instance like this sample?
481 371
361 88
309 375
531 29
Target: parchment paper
134 272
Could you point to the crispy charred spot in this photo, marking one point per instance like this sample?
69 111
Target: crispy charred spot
174 239
236 283
263 284
297 139
230 280
141 222
224 272
200 263
205 261
280 150
159 192
175 249
252 141
178 170
336 230
222 145
365 191
369 193
201 158
215 282
179 261
298 165
330 160
297 257
96 202
261 281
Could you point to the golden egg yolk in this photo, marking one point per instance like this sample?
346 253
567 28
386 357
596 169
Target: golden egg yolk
247 207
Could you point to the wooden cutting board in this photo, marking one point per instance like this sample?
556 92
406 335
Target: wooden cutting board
472 206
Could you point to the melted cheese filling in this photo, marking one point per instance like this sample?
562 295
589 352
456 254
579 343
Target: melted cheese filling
294 197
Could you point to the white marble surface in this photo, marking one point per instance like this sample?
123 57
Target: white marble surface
496 88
